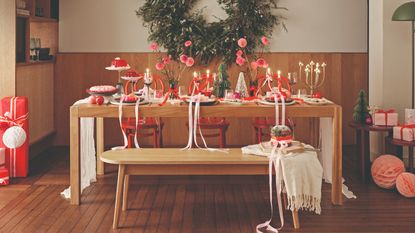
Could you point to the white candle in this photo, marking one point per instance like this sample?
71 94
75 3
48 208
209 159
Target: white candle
279 73
269 70
208 82
194 74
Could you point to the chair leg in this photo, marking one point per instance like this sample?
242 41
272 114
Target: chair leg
130 138
221 136
118 195
155 138
125 192
160 137
259 134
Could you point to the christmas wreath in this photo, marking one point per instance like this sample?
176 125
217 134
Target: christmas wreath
171 23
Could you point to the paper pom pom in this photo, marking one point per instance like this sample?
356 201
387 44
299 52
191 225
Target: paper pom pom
385 170
405 183
14 137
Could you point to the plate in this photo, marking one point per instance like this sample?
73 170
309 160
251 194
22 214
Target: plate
204 102
106 93
117 102
316 101
264 102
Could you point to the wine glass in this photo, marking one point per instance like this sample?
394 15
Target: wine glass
32 49
293 80
37 47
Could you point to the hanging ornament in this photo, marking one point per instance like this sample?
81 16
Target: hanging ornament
241 86
14 137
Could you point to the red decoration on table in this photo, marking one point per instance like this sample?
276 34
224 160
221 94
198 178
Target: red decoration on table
316 95
4 176
99 100
118 62
17 160
172 92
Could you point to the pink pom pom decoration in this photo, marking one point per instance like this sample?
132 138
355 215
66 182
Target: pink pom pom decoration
405 183
385 170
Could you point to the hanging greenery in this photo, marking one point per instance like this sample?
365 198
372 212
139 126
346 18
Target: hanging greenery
171 23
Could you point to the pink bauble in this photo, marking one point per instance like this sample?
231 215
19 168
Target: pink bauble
405 183
385 170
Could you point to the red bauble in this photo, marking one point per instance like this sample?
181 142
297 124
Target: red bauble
99 100
317 95
369 120
92 100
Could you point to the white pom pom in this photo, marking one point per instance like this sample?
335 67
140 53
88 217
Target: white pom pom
14 137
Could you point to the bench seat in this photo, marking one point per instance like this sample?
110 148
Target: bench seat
174 161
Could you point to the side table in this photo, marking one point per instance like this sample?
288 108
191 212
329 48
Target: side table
362 140
410 145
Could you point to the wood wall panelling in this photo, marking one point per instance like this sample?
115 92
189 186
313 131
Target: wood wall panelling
7 47
37 83
76 72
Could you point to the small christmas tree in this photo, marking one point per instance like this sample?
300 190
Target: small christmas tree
360 112
222 83
241 86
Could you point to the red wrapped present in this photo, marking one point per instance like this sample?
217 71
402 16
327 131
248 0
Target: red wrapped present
4 176
404 132
383 117
2 157
14 134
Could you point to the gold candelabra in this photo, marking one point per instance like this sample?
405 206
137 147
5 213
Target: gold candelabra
313 77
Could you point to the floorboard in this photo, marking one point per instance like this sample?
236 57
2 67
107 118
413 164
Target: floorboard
180 204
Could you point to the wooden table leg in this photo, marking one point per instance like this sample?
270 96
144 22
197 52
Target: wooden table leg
365 153
125 193
411 158
118 195
100 145
336 188
296 219
75 168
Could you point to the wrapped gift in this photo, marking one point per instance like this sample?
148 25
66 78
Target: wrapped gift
2 157
4 176
409 116
14 134
404 132
388 118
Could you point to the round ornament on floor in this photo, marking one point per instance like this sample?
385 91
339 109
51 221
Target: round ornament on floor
405 183
385 170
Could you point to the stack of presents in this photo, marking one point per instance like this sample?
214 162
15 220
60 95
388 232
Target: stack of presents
14 138
405 132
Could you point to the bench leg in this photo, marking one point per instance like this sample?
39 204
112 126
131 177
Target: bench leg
125 192
296 219
118 195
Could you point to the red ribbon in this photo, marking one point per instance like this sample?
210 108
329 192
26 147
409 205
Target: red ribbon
408 127
13 122
172 91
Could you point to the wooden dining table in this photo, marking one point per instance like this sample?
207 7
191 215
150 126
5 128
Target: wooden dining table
219 110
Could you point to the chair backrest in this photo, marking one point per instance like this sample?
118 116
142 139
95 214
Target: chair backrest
204 83
157 82
281 81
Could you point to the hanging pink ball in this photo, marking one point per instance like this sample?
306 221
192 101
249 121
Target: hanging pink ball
385 170
405 183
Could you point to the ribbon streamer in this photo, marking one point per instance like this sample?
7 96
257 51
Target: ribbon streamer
137 121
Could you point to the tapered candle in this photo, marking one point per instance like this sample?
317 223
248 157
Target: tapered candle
279 73
194 74
208 82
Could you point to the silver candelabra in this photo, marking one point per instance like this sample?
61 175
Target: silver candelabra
313 77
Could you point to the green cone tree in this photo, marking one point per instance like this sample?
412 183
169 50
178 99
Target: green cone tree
222 83
360 111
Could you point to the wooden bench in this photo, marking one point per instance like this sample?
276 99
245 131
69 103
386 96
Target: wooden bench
180 162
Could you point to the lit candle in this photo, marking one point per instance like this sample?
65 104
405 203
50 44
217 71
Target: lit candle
279 73
208 81
194 74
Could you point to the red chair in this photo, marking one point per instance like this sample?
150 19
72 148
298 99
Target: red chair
262 127
151 124
210 123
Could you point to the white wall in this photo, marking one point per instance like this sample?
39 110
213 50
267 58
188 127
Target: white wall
313 26
390 70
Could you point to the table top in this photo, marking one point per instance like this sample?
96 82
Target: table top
222 110
170 156
380 128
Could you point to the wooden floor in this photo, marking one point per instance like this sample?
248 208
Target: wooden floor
188 204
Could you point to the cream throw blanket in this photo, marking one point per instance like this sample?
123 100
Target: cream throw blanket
302 174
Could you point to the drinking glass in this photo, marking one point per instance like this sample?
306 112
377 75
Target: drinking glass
32 49
37 47
293 80
182 91
228 94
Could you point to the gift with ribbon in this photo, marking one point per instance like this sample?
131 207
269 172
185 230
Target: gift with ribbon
404 132
385 118
4 176
14 134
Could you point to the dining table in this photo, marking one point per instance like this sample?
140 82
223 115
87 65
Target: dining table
331 111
